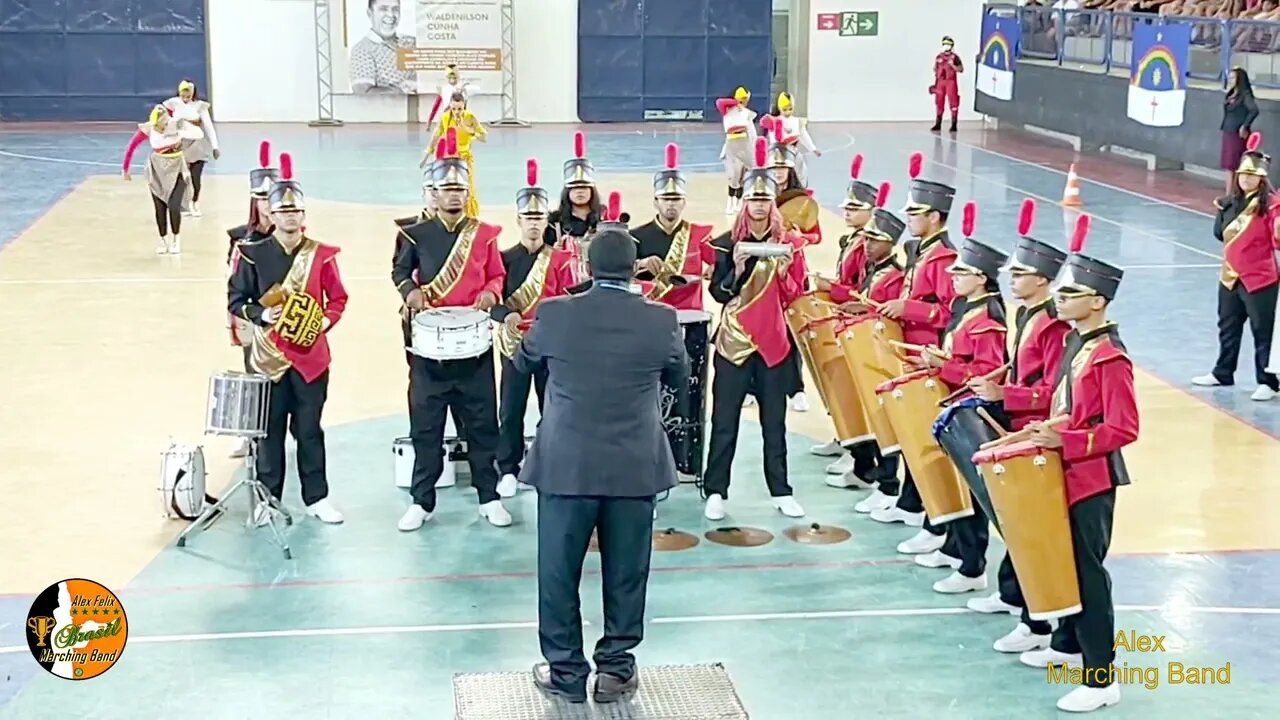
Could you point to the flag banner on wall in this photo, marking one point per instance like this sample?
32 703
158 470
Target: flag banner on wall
1158 74
403 47
999 48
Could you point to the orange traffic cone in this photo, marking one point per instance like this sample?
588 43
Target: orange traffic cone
1071 194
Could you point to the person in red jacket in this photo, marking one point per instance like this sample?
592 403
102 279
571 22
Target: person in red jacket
946 84
290 341
1037 339
1249 281
1094 389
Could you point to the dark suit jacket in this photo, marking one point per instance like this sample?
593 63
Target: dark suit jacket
601 433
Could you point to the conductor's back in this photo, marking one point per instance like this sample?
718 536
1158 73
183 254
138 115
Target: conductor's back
598 460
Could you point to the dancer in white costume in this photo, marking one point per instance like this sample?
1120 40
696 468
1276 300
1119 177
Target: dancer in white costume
187 106
795 132
739 139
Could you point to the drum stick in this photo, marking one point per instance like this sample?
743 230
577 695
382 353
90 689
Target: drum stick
1023 434
908 347
989 376
864 300
982 413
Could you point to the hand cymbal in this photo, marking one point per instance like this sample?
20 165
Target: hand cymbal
672 539
815 534
739 536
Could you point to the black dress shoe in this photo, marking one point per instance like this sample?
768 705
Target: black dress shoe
610 688
542 678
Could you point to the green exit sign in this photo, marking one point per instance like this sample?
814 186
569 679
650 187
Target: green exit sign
859 24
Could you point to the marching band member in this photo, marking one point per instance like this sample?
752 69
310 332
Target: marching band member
946 83
753 348
669 246
289 287
1094 387
795 132
973 345
1247 225
428 211
578 212
187 106
780 162
924 308
858 203
167 173
739 136
457 264
531 275
1035 353
465 128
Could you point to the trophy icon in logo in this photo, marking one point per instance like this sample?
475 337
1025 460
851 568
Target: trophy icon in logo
41 626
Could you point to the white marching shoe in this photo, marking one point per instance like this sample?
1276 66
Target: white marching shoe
242 449
842 465
1206 380
800 403
731 207
875 501
195 210
162 247
1263 394
495 513
848 481
1049 656
937 559
955 583
508 486
1087 699
831 449
174 245
992 604
715 508
325 512
895 514
788 506
921 543
1021 640
413 518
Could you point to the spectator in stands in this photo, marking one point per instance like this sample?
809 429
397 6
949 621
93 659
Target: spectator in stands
1239 110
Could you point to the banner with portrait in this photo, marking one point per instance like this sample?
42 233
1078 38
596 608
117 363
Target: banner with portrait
1158 74
405 47
1000 37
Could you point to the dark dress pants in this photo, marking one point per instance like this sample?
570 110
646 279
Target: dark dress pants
466 387
729 388
296 407
1092 631
513 402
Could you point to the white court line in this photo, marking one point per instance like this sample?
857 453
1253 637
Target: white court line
679 620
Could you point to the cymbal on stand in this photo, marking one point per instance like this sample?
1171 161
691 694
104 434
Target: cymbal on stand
739 536
672 539
815 534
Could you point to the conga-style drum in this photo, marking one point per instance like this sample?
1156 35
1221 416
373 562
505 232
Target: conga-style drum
841 392
1028 492
911 402
961 431
886 330
858 343
802 311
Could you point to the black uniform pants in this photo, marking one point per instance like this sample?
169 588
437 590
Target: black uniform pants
728 391
513 402
1236 307
467 388
1011 593
624 528
1091 632
295 407
967 539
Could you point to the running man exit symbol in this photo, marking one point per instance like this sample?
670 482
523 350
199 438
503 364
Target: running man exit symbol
860 24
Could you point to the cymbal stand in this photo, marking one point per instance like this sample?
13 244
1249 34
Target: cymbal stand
259 496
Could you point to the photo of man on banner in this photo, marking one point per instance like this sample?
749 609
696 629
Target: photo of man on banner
374 66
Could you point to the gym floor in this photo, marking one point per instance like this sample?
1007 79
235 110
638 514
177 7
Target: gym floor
109 348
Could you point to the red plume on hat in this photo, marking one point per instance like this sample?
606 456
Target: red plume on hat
777 132
531 172
286 166
579 145
762 152
442 150
970 218
451 138
1254 142
1026 217
672 156
1078 237
915 165
767 123
882 196
855 168
614 209
264 154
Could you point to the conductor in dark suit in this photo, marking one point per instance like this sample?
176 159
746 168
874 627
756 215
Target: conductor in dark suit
599 460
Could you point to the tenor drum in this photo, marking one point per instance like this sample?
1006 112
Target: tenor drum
402 452
802 311
961 431
858 344
450 333
910 401
686 432
833 374
1028 492
886 330
238 405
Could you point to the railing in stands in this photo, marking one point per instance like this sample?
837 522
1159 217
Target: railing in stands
1102 39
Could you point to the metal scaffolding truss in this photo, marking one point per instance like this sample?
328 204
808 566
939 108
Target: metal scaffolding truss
510 113
324 66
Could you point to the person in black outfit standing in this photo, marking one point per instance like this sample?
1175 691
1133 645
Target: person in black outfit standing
579 210
599 460
1239 110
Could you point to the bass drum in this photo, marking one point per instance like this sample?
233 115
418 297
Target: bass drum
961 432
687 432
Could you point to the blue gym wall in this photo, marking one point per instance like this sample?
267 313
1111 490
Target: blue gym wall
97 60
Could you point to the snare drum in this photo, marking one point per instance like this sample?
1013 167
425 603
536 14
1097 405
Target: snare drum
687 433
911 401
858 343
238 405
1028 492
402 451
182 482
961 431
450 333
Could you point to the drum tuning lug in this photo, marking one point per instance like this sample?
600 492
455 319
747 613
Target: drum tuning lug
1039 461
997 469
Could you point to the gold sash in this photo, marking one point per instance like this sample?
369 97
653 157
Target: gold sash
949 339
521 300
672 264
1061 402
266 357
1237 227
454 265
733 341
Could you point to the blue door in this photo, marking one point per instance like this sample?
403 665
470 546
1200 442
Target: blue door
671 59
95 60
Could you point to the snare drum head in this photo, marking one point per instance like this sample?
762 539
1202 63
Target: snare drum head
451 317
692 317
